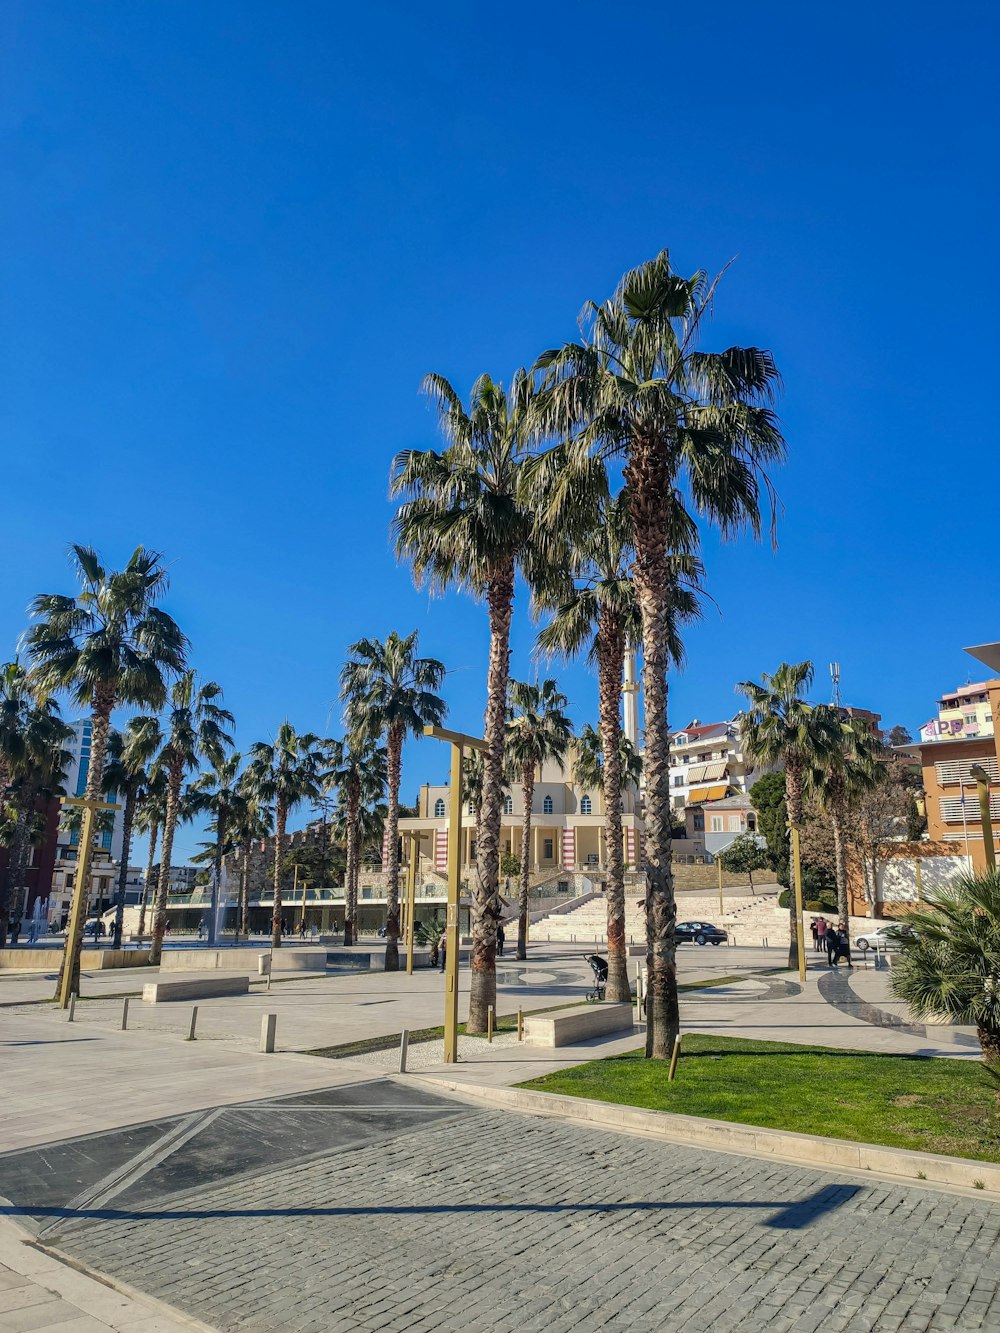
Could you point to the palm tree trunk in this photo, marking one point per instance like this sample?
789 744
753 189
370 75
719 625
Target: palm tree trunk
280 820
128 814
837 820
486 894
793 804
650 495
100 724
213 913
174 781
611 660
394 757
528 794
351 868
147 884
16 866
989 1044
244 912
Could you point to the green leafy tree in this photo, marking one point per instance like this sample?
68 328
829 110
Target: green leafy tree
284 773
193 729
743 856
252 822
594 608
126 777
389 691
538 729
768 797
107 645
781 728
686 422
467 520
32 761
948 964
854 766
899 735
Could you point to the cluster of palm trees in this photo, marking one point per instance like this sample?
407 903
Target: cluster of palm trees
524 488
825 754
110 646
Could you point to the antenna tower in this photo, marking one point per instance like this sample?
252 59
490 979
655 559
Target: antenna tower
835 677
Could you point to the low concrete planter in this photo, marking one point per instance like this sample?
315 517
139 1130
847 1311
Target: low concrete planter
242 960
806 1149
580 1023
201 988
91 960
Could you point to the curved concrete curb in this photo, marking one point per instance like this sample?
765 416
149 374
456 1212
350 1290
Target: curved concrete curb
806 1149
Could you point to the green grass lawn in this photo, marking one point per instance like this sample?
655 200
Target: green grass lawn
933 1105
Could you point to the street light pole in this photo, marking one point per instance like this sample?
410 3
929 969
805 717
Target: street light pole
983 789
68 978
459 743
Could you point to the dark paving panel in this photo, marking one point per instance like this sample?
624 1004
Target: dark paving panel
49 1176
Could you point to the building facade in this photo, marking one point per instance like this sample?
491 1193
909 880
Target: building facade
707 764
965 732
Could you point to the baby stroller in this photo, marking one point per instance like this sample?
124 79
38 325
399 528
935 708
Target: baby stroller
599 967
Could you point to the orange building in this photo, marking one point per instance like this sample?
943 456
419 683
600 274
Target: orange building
966 732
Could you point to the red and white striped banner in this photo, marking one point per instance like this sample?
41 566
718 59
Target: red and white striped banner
441 850
569 847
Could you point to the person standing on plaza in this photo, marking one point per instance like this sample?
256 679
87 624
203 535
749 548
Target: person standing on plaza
821 929
500 939
443 947
832 941
814 931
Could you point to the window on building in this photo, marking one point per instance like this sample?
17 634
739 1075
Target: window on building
547 806
717 824
679 802
734 824
547 849
751 824
439 808
585 805
699 821
679 781
508 805
970 719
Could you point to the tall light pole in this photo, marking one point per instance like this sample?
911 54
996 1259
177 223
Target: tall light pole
983 788
459 743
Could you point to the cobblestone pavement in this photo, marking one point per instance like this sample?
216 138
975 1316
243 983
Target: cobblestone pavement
453 1218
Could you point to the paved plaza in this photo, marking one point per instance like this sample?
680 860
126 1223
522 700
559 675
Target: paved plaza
289 1191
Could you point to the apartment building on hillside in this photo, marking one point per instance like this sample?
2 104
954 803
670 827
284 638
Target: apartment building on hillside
707 764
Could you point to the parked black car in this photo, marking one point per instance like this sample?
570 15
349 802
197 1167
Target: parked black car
699 932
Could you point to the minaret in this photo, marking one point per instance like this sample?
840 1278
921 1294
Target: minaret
630 698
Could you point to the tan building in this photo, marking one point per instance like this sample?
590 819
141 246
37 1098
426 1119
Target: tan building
567 835
965 732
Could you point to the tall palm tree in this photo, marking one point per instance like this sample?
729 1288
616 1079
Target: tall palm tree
854 766
537 729
253 821
126 774
150 815
467 520
109 644
32 762
593 603
358 769
389 691
193 730
473 769
635 386
218 793
782 730
284 773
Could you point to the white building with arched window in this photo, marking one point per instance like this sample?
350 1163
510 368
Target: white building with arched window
567 830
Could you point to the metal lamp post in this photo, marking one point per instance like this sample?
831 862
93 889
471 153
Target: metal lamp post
983 790
459 743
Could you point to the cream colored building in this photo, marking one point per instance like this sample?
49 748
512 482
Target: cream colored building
567 833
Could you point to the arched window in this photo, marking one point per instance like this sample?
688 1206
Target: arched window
439 808
547 806
508 805
585 807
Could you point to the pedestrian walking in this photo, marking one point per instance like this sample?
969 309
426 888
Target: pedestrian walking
844 946
443 948
832 939
822 927
501 937
814 931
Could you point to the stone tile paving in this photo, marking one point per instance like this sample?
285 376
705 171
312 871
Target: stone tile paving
502 1222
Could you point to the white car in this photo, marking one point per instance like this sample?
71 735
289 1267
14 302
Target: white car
883 937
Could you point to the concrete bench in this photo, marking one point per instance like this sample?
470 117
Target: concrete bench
238 959
568 1026
198 988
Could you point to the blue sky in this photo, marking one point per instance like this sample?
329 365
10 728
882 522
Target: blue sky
234 236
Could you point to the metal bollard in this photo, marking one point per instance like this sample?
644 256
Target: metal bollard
520 1023
125 1014
489 1023
404 1045
268 1027
194 1019
72 1006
